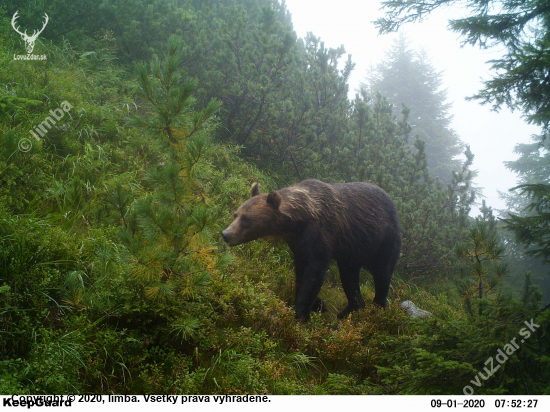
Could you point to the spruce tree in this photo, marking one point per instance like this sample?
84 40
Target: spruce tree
522 27
533 228
408 77
532 168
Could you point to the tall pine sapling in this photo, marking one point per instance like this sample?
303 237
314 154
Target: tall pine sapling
483 252
170 99
168 230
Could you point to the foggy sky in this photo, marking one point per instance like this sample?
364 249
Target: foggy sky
491 136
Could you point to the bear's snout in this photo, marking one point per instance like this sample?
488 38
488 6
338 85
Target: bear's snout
225 236
229 237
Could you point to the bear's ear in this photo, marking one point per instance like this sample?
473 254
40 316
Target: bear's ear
255 189
274 200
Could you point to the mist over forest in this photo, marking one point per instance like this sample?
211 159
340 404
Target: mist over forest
132 130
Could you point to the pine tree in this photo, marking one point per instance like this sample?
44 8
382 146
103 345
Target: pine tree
284 100
433 217
314 132
483 252
168 230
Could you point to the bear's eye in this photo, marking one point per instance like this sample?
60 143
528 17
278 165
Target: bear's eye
235 215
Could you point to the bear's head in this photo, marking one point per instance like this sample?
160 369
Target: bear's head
259 216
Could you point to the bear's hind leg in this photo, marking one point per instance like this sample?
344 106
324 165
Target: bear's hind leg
382 278
381 288
383 269
349 275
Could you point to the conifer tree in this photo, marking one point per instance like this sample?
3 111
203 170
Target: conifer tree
521 216
522 27
168 230
520 78
533 229
407 77
483 252
433 217
310 136
531 167
528 211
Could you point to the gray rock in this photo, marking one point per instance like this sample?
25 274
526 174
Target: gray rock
413 311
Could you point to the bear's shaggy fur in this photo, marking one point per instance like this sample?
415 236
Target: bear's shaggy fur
355 224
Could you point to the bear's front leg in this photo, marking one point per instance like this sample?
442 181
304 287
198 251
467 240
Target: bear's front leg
310 274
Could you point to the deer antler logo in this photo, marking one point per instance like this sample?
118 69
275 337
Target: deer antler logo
29 40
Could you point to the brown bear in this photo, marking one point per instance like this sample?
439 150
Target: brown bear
355 224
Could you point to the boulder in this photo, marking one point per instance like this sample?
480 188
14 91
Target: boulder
413 311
